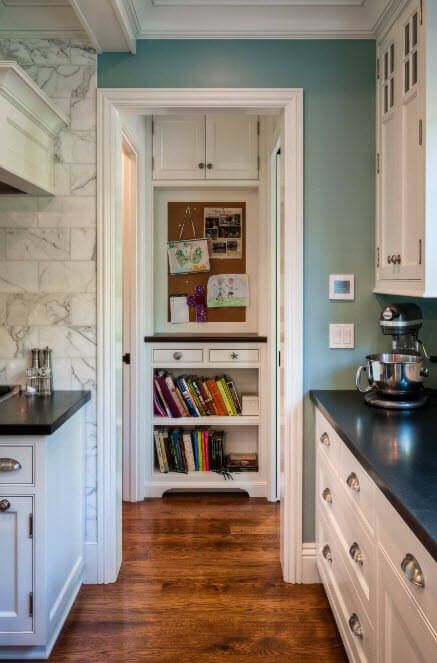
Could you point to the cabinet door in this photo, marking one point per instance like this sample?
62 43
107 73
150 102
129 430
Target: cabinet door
16 568
231 146
404 635
179 147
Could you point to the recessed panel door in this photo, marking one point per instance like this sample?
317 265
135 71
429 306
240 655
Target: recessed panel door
179 147
231 146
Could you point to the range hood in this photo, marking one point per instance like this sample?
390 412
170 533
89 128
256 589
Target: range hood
29 125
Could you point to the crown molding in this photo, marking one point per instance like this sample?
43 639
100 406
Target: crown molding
388 16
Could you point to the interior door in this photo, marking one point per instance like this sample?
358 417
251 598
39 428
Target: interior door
231 146
179 147
16 567
279 305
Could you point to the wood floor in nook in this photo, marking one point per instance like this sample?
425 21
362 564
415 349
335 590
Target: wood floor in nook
200 583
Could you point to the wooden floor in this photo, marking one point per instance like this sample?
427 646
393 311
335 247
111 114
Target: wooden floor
200 583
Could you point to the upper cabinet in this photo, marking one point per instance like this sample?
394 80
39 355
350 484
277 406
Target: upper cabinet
29 126
215 146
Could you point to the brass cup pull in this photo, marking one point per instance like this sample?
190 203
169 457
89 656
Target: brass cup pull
327 554
9 465
177 355
356 554
4 505
411 567
355 626
324 439
353 482
327 495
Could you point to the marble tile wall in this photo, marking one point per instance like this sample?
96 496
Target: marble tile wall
48 245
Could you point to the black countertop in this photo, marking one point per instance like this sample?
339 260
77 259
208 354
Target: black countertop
398 450
39 415
205 338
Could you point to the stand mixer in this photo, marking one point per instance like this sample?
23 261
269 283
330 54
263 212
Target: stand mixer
396 379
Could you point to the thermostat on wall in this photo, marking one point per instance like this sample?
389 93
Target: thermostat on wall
341 286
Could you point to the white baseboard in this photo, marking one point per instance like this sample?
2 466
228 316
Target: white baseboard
310 573
91 569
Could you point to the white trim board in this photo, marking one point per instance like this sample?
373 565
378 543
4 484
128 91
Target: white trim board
111 102
310 573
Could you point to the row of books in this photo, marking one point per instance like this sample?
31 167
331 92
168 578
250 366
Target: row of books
192 396
189 451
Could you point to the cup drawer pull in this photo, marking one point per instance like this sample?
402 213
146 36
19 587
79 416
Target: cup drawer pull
411 567
9 465
353 482
356 554
177 355
327 495
327 554
355 626
324 439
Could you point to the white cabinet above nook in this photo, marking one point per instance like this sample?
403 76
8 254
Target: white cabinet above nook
215 146
29 125
406 239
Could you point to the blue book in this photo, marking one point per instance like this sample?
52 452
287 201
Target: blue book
183 388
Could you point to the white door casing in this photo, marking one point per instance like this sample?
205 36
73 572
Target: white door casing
147 101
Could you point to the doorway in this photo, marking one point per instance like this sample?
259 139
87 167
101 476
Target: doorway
146 102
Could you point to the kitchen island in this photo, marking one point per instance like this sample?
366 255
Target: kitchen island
376 525
42 520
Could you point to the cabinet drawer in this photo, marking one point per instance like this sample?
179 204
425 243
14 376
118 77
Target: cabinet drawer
398 542
178 355
16 465
329 499
234 355
327 441
359 487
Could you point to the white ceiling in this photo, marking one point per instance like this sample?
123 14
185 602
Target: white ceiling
116 24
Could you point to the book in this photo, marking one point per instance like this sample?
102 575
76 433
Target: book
195 396
217 398
196 385
221 384
161 396
242 462
188 444
223 381
234 395
185 392
164 452
174 410
180 404
159 451
158 407
212 407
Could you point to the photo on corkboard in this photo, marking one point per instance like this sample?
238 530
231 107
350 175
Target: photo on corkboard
221 225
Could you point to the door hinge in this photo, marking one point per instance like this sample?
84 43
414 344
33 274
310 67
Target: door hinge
30 604
420 132
279 358
153 163
378 163
378 69
153 127
377 257
30 526
258 162
421 12
257 127
420 251
126 358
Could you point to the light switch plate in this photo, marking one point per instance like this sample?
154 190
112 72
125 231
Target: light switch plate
341 336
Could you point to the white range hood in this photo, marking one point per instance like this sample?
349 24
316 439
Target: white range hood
29 126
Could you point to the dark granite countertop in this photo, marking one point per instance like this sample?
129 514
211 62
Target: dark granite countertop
205 338
398 450
39 415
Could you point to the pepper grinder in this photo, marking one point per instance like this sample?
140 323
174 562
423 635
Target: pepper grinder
45 372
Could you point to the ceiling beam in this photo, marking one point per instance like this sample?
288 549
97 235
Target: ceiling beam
109 24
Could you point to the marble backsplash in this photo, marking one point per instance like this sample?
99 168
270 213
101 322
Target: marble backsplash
48 245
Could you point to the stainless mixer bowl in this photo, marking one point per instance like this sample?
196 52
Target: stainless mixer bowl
393 375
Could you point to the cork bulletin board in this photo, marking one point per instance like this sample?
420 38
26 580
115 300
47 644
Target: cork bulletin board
184 284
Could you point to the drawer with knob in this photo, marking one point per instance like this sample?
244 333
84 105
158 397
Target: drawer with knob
177 355
234 356
328 494
16 465
327 441
359 487
413 563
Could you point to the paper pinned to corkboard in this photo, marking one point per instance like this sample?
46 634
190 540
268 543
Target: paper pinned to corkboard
234 263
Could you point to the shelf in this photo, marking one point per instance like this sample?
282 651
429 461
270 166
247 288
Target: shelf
205 184
205 421
204 476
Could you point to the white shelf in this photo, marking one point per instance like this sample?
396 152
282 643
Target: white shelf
205 421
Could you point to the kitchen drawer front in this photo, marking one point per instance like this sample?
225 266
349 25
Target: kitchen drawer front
398 541
347 606
234 355
16 465
177 355
327 441
330 500
359 487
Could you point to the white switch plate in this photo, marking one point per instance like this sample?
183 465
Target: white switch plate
341 336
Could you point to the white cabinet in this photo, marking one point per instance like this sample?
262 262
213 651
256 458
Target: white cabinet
400 207
16 570
216 146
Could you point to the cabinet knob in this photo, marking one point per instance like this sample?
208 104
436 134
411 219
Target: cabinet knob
327 554
324 439
201 165
398 259
411 567
389 259
356 554
327 495
234 355
9 465
209 166
177 355
353 482
4 505
355 625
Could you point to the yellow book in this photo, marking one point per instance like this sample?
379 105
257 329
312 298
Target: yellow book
200 450
221 384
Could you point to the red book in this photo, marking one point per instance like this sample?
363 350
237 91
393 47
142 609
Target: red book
218 400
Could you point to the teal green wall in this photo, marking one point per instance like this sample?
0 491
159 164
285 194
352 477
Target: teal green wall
339 152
